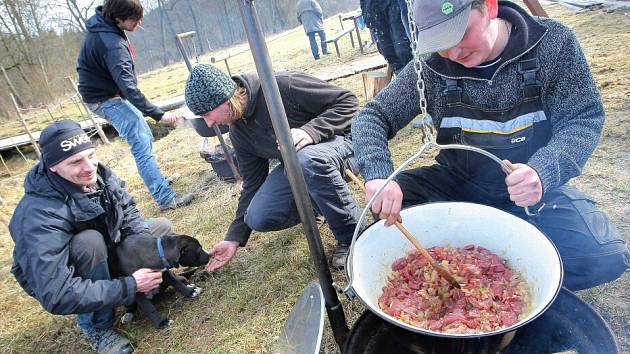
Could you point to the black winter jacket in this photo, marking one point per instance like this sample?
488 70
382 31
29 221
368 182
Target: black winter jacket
375 11
51 211
106 68
321 109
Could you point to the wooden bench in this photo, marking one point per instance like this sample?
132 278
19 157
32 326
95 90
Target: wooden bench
223 58
227 55
338 36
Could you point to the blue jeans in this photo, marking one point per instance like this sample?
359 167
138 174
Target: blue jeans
273 207
404 17
313 42
131 126
590 246
88 255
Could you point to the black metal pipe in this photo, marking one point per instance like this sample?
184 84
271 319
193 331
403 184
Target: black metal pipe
260 53
182 50
226 151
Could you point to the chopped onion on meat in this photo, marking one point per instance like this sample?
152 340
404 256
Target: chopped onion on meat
492 295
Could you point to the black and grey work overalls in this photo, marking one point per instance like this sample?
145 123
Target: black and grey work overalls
513 133
591 248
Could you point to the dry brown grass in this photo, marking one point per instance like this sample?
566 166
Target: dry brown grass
245 304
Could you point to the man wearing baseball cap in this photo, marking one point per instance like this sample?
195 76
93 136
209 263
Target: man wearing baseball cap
516 86
73 214
319 115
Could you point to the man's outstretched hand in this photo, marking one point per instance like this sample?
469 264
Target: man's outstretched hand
221 254
523 184
171 118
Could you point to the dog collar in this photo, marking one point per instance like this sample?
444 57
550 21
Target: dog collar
165 262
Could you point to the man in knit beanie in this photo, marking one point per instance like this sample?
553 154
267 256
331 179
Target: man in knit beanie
319 115
109 87
74 212
519 87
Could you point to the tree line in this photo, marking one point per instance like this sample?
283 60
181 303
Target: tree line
40 39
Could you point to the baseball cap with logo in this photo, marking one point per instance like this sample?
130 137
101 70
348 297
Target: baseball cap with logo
441 23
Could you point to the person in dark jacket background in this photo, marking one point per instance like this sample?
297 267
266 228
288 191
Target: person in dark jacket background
319 115
383 18
310 15
109 87
73 213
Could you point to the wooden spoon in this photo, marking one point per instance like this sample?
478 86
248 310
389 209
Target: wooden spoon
441 270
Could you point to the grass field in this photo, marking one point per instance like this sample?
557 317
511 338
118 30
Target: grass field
244 305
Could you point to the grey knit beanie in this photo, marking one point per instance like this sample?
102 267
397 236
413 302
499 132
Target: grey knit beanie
207 87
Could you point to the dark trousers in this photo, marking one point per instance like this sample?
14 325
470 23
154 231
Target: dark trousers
391 40
88 256
313 42
273 207
590 246
404 17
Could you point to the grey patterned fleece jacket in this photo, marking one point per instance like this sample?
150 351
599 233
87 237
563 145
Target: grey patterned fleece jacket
571 100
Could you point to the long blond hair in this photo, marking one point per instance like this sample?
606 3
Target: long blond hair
238 103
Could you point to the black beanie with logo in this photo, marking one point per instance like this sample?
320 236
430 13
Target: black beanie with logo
61 140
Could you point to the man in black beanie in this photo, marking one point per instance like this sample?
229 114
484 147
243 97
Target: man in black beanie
73 214
319 114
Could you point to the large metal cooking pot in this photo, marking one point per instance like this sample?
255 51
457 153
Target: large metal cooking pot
455 224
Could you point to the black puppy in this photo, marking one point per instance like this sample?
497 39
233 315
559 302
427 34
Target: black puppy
147 251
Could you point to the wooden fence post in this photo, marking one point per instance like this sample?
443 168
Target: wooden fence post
100 131
28 131
12 88
41 65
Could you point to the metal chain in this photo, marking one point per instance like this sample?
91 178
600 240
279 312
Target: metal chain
427 128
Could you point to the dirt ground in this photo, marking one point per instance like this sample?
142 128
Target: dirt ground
245 304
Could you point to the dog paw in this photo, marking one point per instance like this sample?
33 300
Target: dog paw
196 291
126 318
165 323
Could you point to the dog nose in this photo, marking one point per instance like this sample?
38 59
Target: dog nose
206 255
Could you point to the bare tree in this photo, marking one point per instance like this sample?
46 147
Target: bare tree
163 32
35 16
196 24
78 14
13 22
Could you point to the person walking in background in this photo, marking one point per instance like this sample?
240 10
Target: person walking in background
383 18
109 87
310 15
